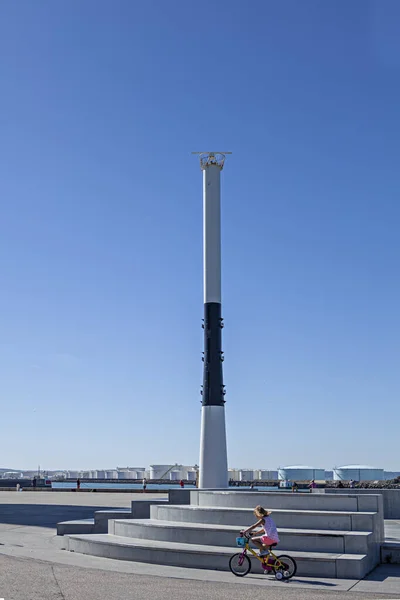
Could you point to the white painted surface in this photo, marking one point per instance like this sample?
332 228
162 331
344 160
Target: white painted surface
212 233
213 455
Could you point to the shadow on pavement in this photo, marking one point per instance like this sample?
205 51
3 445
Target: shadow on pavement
294 580
315 582
45 515
383 572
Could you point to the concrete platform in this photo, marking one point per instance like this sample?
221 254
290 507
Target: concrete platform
342 538
279 500
391 498
99 524
317 564
33 565
307 519
75 526
311 540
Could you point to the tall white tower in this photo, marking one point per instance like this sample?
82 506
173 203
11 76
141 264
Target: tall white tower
213 472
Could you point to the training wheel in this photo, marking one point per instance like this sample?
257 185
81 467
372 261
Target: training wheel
279 575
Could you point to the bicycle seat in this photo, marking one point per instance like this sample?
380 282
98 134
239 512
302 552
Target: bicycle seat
273 545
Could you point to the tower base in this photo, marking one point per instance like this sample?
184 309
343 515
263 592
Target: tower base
213 471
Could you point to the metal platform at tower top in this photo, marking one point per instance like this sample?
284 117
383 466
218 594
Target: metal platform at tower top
208 159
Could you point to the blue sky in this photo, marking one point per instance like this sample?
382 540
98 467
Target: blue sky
101 105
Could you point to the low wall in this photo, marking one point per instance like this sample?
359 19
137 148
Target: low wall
391 499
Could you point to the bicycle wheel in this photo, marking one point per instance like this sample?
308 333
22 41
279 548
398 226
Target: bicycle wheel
239 564
286 567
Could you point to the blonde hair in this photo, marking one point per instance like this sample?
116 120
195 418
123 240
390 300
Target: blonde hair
261 512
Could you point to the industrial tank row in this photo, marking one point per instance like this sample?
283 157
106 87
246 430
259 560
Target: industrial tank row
289 473
345 473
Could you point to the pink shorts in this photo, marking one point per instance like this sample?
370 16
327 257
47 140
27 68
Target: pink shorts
267 541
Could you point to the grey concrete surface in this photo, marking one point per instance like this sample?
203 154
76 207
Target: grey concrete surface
392 530
320 552
46 510
33 567
352 542
306 519
22 579
70 499
284 500
391 499
390 550
199 556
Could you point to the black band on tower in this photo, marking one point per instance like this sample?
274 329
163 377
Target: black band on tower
213 388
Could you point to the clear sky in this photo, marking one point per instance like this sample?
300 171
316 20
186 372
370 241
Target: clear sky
101 302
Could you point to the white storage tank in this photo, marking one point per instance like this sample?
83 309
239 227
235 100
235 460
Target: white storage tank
73 474
141 474
358 473
111 474
246 474
301 473
191 475
124 474
92 474
101 474
160 471
233 474
266 475
175 475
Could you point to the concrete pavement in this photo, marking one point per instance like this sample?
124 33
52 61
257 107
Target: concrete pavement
33 565
22 579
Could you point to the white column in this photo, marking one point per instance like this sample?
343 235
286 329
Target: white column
213 472
212 233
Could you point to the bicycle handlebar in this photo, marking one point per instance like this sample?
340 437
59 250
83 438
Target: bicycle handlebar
246 535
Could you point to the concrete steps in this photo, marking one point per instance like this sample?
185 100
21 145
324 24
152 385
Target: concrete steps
99 524
274 500
315 564
310 540
76 526
328 535
299 519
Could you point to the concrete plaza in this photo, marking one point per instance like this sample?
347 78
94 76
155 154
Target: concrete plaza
33 566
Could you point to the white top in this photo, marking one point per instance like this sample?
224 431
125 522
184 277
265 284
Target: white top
270 529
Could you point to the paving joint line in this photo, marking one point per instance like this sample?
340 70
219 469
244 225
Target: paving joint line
57 583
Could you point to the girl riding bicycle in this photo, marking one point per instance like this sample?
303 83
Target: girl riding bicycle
269 537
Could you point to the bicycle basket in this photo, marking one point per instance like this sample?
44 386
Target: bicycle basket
241 542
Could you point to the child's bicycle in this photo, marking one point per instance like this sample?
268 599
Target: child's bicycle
283 567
